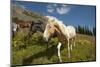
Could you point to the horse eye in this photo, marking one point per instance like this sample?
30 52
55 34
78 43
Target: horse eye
49 26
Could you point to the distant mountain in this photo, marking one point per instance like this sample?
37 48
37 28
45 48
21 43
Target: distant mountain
27 15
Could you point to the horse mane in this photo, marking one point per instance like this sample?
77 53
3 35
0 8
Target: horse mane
57 23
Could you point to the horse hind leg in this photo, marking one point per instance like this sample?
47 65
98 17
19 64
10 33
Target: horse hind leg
58 47
71 46
74 41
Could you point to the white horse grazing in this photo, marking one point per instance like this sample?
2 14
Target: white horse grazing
14 28
64 33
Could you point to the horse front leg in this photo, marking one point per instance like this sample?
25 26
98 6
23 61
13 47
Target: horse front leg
68 48
58 47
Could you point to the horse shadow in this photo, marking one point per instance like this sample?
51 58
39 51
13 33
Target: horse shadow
48 53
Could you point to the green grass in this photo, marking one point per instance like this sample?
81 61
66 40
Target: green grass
34 50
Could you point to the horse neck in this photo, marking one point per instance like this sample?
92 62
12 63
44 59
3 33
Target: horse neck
60 35
58 31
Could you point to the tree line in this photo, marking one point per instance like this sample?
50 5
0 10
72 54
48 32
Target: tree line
86 30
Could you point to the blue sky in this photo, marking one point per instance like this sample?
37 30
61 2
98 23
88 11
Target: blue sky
68 13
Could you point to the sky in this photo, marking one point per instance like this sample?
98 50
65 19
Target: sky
70 14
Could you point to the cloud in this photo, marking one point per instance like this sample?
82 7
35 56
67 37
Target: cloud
60 9
55 5
49 6
50 10
63 9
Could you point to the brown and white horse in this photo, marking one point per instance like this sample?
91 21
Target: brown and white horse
20 25
24 24
64 33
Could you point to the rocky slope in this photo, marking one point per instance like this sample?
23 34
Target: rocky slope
23 14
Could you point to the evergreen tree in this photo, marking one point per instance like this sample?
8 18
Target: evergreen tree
84 30
94 31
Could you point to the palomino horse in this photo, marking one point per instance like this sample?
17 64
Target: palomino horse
64 33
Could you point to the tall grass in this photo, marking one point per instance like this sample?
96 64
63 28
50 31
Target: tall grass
34 50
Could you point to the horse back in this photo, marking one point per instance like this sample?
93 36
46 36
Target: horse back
70 30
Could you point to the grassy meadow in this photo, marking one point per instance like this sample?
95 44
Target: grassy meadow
33 50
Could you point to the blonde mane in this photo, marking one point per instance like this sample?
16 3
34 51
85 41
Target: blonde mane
58 23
